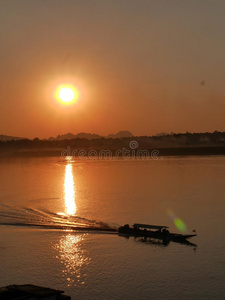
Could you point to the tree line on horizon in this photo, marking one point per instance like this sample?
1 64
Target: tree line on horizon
173 140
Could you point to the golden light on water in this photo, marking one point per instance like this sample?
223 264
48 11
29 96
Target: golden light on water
66 94
69 191
73 257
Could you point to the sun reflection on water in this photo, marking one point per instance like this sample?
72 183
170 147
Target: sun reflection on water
73 258
69 190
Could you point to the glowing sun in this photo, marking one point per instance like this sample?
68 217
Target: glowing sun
66 94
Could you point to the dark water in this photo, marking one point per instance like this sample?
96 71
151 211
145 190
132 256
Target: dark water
41 199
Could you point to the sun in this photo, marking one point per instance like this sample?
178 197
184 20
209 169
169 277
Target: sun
66 94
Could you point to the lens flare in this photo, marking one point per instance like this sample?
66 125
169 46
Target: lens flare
180 225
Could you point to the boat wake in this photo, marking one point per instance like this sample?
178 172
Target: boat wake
44 219
25 216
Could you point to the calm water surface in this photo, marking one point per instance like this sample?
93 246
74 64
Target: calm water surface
188 192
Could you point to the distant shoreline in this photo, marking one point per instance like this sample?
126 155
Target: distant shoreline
187 144
60 152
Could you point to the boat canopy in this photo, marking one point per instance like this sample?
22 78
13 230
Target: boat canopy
149 226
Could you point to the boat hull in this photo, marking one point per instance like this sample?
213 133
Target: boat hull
166 236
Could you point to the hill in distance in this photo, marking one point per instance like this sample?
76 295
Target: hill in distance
90 136
5 138
71 136
119 135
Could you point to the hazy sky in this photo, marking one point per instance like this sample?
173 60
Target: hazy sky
145 66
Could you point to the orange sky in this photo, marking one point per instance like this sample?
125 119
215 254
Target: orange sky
144 66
